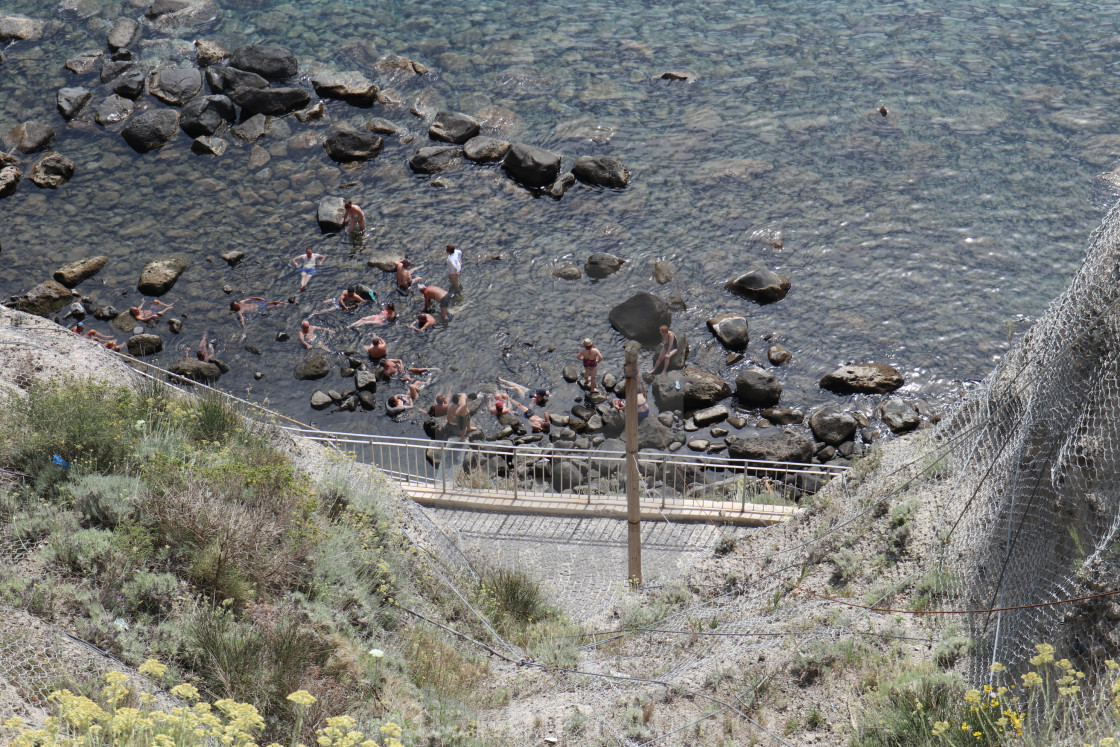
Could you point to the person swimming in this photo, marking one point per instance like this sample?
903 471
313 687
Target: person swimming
386 316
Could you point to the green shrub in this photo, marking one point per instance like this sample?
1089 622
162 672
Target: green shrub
107 500
516 595
82 552
821 657
902 711
213 419
150 593
845 565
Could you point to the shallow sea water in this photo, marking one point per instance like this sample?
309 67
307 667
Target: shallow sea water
921 239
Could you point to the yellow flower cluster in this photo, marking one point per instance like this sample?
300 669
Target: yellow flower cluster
81 722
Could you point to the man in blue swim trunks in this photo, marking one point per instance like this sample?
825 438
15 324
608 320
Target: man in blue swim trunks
307 263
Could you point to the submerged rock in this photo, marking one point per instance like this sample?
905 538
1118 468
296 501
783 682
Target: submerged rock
601 264
160 275
453 127
347 144
267 60
209 51
151 129
123 33
351 87
69 101
602 171
435 158
863 378
567 271
484 149
760 286
533 167
30 137
20 28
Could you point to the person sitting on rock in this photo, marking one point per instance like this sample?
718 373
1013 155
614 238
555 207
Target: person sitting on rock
385 316
404 275
441 405
377 349
139 314
246 304
667 350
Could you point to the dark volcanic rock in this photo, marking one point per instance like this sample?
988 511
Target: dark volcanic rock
252 129
10 177
833 426
863 378
123 33
112 68
783 415
640 316
267 60
273 101
45 298
351 87
74 273
20 28
453 127
130 84
158 276
755 387
113 109
206 115
435 158
760 286
689 389
204 372
601 264
602 171
229 80
84 63
786 446
778 355
209 145
315 367
163 7
533 167
52 170
151 129
347 144
731 329
485 149
209 51
175 86
898 415
69 101
31 137
144 344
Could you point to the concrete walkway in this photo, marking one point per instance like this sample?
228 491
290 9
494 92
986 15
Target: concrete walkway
580 560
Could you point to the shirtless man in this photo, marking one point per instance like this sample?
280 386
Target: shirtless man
540 424
590 356
459 416
205 351
398 403
667 350
348 296
539 396
454 266
306 264
309 336
385 316
354 220
501 403
139 314
377 349
435 293
404 275
440 407
246 304
424 320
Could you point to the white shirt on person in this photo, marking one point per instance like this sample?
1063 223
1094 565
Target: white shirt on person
455 261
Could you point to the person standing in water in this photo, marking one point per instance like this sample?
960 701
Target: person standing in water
307 263
590 357
354 220
454 267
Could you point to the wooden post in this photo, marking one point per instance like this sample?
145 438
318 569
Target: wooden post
633 507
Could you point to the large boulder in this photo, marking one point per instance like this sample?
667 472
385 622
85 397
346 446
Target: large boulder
144 344
10 177
484 149
45 298
435 158
151 129
732 330
760 286
863 378
331 214
130 84
833 426
785 446
123 33
31 137
267 60
204 372
110 69
640 317
113 109
314 367
601 171
74 273
159 275
783 415
689 389
229 80
453 127
351 87
755 387
533 167
347 144
274 101
175 86
600 264
439 429
69 101
52 170
898 415
206 115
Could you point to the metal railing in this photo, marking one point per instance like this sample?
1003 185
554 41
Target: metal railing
532 471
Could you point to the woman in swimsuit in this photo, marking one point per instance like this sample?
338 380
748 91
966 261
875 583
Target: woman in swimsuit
139 314
245 304
590 356
667 350
385 316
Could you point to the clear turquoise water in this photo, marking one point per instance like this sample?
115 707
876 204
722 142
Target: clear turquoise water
920 239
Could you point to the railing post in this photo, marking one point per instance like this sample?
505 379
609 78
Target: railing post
511 471
633 501
443 467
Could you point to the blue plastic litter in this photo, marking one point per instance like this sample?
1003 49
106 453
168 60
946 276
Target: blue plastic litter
60 461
